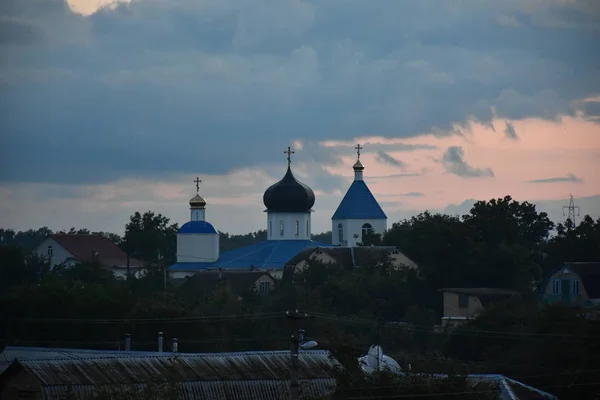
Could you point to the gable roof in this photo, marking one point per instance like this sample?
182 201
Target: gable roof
269 254
359 203
349 257
589 273
240 281
83 246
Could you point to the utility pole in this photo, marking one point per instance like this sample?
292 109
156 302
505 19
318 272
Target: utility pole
573 210
294 316
164 270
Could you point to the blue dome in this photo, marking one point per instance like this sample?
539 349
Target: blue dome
197 227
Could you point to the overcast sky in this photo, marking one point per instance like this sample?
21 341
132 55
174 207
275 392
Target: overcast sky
107 108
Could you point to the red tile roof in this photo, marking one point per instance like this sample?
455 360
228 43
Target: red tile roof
83 246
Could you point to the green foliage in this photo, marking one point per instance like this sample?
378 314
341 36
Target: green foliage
501 243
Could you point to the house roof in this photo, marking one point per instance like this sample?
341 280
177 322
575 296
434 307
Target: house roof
348 257
359 203
589 272
11 353
82 247
240 281
264 374
269 254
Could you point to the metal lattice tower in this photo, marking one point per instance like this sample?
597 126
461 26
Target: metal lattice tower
573 210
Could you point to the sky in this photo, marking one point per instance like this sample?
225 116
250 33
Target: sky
110 107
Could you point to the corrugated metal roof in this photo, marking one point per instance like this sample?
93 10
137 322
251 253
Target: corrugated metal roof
243 375
359 203
11 353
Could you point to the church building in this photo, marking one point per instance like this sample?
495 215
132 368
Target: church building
359 213
288 205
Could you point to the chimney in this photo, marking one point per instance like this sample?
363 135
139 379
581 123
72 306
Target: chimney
220 273
175 345
160 342
128 342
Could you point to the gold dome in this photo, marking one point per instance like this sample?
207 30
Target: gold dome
358 166
197 202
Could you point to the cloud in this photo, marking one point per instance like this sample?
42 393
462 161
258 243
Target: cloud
385 158
453 161
414 194
568 178
154 89
509 131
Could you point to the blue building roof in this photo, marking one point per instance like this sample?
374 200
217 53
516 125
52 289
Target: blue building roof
197 227
270 254
359 203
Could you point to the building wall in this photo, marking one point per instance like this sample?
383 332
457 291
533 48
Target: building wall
453 310
197 247
576 298
264 278
20 386
353 227
59 253
317 255
289 220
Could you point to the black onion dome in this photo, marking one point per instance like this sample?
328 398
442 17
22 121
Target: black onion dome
289 195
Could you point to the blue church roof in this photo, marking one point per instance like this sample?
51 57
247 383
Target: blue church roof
197 227
270 254
359 203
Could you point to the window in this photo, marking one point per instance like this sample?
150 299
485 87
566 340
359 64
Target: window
297 228
307 229
50 251
270 228
281 228
463 301
556 286
264 287
341 233
575 286
366 230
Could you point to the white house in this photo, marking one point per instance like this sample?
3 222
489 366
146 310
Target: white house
65 249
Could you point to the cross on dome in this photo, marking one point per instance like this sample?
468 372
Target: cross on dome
197 181
289 153
358 148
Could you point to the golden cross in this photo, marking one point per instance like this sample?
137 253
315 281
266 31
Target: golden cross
197 184
358 149
289 153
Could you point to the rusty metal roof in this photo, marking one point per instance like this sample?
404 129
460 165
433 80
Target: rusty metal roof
209 375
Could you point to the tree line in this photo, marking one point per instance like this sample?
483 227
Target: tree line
500 243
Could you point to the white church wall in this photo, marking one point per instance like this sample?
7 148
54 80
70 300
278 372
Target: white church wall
353 227
197 247
181 274
197 214
296 226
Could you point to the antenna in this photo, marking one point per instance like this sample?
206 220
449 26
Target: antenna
573 210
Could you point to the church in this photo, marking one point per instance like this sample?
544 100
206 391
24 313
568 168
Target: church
288 205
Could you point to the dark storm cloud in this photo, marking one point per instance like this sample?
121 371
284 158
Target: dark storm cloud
155 88
454 162
568 178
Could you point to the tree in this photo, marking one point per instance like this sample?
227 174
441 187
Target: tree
574 243
149 236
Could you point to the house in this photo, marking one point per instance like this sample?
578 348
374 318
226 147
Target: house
240 282
65 249
575 284
262 374
348 258
461 304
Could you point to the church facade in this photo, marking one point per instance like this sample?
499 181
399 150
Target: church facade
288 205
359 213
